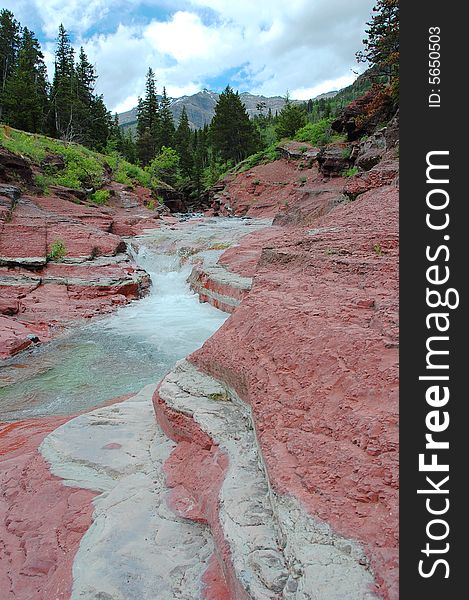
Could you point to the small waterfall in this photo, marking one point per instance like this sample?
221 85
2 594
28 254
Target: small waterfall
118 354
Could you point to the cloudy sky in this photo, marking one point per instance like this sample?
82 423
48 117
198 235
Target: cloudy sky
263 46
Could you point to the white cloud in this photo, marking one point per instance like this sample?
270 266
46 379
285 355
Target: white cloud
300 45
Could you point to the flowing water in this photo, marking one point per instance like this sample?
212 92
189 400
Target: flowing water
113 356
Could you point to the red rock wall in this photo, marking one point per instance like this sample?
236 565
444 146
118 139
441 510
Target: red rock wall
313 349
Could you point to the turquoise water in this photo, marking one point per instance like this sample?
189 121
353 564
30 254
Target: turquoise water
113 356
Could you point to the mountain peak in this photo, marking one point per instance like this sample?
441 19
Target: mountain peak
200 107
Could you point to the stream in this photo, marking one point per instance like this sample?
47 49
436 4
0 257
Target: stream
113 356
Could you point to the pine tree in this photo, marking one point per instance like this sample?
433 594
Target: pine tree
233 135
63 88
291 118
148 121
167 130
26 90
129 148
100 122
9 47
382 41
183 140
92 121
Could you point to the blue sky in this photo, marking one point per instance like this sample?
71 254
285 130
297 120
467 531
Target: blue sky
269 47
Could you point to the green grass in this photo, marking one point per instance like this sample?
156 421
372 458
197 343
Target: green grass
350 172
260 158
318 133
100 197
57 250
83 167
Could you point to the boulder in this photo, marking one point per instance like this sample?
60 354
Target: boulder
333 160
53 161
67 193
371 150
14 167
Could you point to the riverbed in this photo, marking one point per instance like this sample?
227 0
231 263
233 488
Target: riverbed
119 354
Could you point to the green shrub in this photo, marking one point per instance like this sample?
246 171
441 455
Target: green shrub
83 167
100 197
259 158
317 134
350 172
302 179
42 182
57 250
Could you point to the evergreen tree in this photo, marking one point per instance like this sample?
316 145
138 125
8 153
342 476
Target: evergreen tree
91 117
63 88
233 135
167 130
183 139
116 136
99 124
9 47
200 145
26 90
148 121
128 148
382 41
291 118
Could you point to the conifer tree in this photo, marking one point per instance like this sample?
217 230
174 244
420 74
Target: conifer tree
63 88
148 121
233 135
291 118
167 130
382 41
9 47
183 139
26 90
99 124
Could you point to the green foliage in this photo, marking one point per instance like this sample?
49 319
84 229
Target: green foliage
381 46
166 131
25 98
165 166
378 249
317 134
215 171
350 172
232 134
57 250
42 182
100 197
259 158
9 48
83 168
291 118
184 145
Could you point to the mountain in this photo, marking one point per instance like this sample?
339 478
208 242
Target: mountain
200 107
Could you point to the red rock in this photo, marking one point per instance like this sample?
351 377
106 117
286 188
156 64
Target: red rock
195 472
13 337
41 520
215 587
46 295
313 350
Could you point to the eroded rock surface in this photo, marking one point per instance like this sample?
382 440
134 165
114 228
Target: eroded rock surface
42 291
324 395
